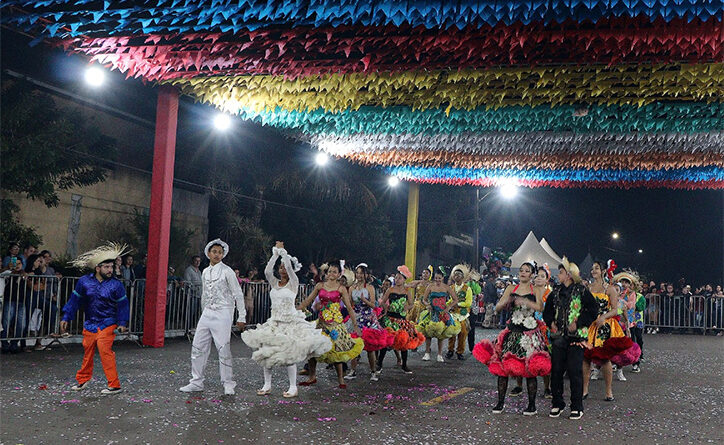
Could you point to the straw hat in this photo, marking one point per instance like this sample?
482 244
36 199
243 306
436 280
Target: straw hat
462 268
629 275
107 252
572 269
349 275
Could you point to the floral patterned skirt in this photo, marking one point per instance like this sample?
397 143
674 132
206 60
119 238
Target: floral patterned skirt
344 346
517 352
374 335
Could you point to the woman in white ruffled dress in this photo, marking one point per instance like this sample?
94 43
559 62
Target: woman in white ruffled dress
286 338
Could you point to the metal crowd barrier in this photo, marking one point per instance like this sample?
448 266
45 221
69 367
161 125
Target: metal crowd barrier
684 312
31 307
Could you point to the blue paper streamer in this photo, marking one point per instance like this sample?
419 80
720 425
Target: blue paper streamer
693 174
253 14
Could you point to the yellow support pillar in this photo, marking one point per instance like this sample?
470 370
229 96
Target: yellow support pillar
413 200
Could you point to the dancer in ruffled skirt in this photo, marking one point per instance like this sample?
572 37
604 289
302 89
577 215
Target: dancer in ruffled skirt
286 338
436 321
393 318
605 336
374 335
345 347
628 296
521 349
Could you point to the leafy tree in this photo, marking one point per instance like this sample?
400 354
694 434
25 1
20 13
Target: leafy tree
330 213
44 150
134 232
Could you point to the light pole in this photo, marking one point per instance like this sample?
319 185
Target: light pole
478 200
508 190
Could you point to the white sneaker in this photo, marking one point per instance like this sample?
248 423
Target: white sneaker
229 391
440 359
595 374
107 391
373 377
426 357
191 388
619 375
351 375
80 386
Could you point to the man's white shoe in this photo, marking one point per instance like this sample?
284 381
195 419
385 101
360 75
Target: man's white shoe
373 377
619 375
107 391
80 386
595 374
191 388
426 357
440 359
229 391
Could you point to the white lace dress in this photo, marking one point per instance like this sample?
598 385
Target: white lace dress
286 338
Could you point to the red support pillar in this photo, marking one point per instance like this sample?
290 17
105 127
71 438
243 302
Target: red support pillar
159 227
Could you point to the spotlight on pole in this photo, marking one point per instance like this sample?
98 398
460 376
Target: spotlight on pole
615 235
393 181
94 76
222 122
509 190
321 159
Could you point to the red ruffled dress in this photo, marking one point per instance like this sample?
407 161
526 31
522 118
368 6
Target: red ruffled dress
609 342
521 349
374 335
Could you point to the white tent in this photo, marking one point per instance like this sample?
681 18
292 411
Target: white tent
547 247
531 250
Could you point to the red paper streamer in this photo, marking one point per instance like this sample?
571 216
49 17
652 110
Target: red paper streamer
306 50
680 185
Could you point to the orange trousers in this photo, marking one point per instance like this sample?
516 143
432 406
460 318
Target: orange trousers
461 338
103 340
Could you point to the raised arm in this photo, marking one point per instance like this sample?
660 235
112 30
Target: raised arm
269 269
287 261
307 301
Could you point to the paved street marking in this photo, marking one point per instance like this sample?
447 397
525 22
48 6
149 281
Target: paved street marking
447 396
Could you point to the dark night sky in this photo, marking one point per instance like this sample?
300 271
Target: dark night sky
680 232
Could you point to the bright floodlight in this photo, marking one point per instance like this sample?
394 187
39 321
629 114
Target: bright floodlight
94 76
509 190
321 159
641 250
392 181
614 235
222 122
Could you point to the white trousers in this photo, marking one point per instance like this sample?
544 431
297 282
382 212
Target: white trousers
214 324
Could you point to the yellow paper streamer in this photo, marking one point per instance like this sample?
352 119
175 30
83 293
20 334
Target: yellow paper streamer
621 85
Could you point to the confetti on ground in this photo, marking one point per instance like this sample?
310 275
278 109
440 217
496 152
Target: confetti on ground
656 403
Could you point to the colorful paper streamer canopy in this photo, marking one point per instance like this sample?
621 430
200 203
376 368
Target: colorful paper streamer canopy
555 93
